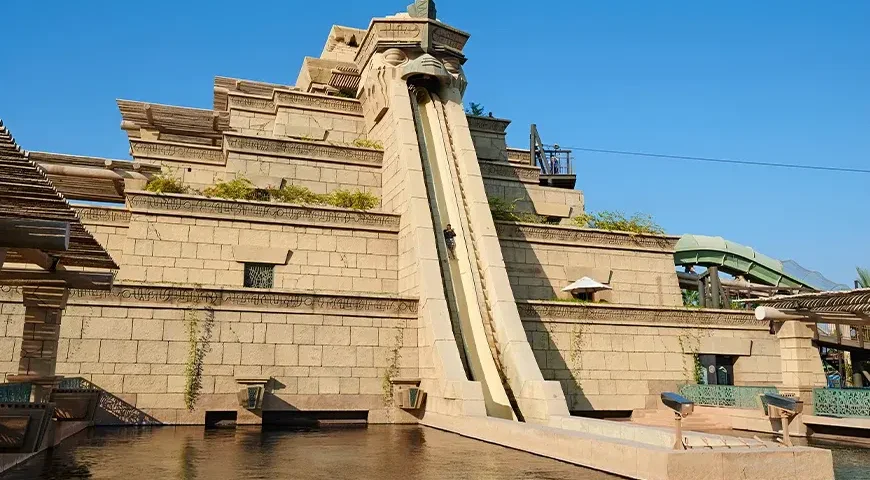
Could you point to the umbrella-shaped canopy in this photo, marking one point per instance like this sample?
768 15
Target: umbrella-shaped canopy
586 284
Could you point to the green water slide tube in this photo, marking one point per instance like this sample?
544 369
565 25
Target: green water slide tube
734 259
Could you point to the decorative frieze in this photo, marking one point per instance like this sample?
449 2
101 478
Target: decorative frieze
313 101
487 124
103 216
238 299
305 150
519 156
448 37
251 103
502 170
177 152
585 237
598 313
262 211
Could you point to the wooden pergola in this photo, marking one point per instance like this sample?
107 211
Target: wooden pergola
46 251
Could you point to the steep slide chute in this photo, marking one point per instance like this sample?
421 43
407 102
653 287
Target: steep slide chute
461 279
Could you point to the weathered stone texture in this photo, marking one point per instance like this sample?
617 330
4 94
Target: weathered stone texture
186 250
625 367
140 353
539 271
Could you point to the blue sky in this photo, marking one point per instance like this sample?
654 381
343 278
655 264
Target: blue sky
771 81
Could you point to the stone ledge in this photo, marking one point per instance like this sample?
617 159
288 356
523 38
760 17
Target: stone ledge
180 296
106 216
305 150
265 212
177 152
508 171
636 315
487 124
587 237
292 99
519 156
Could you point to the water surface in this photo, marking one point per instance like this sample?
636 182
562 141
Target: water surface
375 452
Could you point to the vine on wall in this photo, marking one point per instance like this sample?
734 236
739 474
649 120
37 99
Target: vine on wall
576 350
690 344
199 330
392 370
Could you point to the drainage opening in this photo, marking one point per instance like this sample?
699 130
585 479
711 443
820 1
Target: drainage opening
314 419
221 419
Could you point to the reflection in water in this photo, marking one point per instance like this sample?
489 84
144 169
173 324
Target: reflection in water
376 452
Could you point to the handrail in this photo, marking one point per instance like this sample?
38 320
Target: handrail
743 397
841 402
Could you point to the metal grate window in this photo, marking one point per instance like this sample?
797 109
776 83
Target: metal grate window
259 275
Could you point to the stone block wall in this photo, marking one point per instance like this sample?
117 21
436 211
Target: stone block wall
526 196
184 249
136 348
318 176
540 264
613 358
334 127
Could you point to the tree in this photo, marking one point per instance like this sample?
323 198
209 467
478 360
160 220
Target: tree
475 109
863 277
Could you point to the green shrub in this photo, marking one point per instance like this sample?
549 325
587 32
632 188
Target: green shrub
165 183
366 143
236 189
356 200
295 194
475 109
607 220
506 211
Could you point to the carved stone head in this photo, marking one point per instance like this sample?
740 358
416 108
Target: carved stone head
422 9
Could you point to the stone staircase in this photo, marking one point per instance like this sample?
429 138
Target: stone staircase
665 418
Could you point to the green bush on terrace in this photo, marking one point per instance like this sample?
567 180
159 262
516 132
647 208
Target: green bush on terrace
366 143
242 189
165 183
507 211
235 189
608 220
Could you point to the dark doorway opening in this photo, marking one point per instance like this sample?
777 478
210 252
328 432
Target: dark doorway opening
298 419
221 419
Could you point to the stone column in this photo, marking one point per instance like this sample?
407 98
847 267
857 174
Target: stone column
43 309
802 368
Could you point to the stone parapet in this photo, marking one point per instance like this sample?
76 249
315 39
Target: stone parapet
519 155
176 152
105 216
305 150
637 315
336 303
266 212
487 124
558 234
507 171
300 100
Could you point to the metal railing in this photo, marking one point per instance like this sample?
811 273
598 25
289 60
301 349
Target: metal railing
75 383
551 161
726 395
842 402
15 392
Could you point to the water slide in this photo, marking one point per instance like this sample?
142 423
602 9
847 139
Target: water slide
463 283
737 260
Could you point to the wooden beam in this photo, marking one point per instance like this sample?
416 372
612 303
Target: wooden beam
38 258
2 257
73 279
35 234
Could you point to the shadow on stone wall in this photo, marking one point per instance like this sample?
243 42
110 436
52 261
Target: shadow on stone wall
114 411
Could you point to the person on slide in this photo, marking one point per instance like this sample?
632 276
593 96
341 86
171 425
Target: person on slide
450 239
